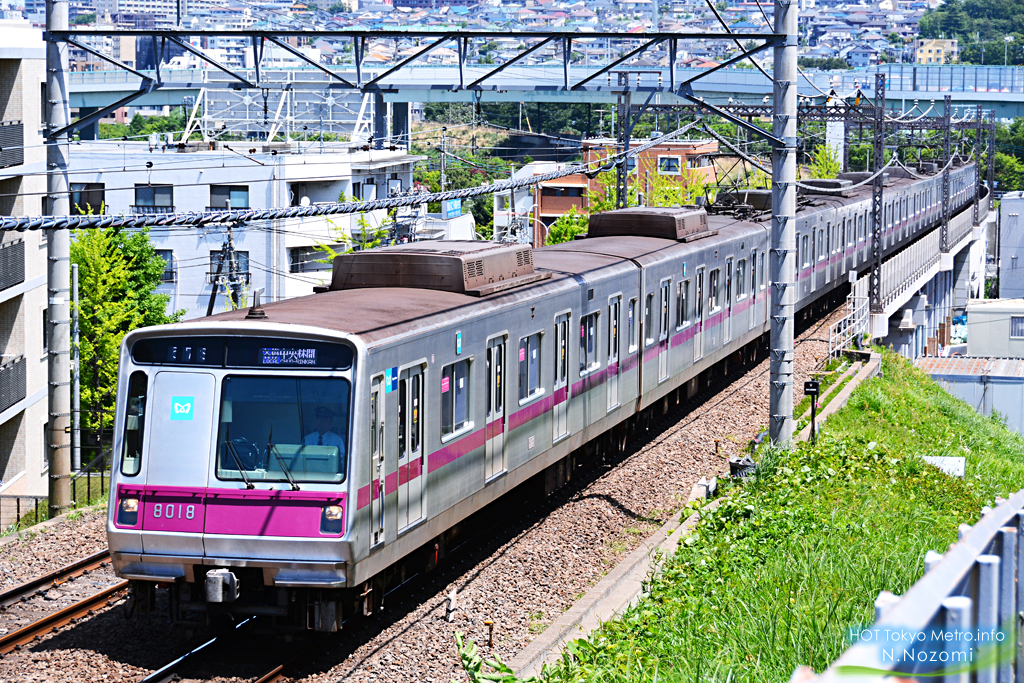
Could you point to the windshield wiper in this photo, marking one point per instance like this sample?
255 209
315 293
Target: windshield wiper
238 462
284 468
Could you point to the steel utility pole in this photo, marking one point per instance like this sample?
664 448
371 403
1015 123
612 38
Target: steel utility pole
979 117
58 251
877 197
947 154
444 157
76 377
783 238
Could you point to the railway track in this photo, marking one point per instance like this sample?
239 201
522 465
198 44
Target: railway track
61 617
417 602
215 647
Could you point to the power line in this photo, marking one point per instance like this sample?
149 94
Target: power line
247 215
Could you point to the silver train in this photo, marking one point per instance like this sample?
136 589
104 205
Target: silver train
293 462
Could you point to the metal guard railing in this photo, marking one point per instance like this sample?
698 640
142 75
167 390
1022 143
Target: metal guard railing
976 586
842 334
902 271
96 470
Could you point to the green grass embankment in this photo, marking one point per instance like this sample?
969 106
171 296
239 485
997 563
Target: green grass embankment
775 576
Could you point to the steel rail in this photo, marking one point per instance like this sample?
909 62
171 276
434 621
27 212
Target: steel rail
54 578
277 673
61 617
169 672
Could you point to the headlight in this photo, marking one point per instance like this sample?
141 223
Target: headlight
331 519
128 512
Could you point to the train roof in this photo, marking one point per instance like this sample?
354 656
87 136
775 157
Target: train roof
381 314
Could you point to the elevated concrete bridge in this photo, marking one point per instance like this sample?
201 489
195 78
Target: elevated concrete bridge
996 88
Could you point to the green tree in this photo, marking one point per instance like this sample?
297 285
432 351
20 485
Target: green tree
672 190
567 226
118 273
137 125
823 63
1009 172
825 163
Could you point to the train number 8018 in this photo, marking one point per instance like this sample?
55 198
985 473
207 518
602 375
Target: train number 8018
168 511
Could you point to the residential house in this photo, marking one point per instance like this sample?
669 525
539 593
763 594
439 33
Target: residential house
681 160
860 56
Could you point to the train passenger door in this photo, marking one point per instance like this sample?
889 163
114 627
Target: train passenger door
561 389
698 322
495 422
614 309
377 461
663 343
181 428
410 447
727 334
753 289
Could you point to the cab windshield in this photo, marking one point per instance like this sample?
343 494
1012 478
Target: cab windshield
283 429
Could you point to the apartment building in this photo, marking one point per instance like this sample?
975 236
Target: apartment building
23 353
935 51
280 257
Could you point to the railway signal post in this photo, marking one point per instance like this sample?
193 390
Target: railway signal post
58 269
783 238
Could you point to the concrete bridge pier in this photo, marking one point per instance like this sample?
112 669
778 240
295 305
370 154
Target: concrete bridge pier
919 322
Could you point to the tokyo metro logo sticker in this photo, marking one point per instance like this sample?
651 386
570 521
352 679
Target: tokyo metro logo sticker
182 407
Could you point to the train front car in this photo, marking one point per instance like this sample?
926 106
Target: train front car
231 472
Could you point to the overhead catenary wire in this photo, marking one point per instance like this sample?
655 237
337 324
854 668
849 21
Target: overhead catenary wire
848 187
22 223
722 139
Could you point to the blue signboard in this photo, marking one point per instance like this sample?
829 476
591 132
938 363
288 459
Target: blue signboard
451 208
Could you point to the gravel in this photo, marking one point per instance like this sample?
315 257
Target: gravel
45 548
521 581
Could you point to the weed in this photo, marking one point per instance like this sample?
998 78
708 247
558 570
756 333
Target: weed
797 554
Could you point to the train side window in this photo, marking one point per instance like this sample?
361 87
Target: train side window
455 398
761 268
631 324
649 321
821 243
683 304
373 420
529 367
588 343
807 251
666 293
741 282
403 411
134 422
416 433
614 309
753 272
713 302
